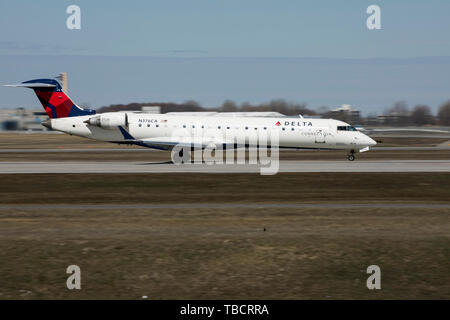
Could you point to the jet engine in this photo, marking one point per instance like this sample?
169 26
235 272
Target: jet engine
108 120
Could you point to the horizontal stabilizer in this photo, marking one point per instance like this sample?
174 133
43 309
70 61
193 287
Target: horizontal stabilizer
31 85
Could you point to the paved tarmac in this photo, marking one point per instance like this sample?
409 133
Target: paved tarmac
442 146
168 167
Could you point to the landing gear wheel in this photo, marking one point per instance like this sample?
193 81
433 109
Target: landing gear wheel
185 155
351 157
180 156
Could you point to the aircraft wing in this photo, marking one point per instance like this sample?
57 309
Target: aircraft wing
168 143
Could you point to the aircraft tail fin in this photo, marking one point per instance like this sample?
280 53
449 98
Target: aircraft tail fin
54 100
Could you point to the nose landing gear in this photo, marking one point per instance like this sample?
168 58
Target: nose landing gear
351 156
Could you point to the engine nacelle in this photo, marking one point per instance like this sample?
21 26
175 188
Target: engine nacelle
108 120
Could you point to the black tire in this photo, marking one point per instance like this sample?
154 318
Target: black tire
180 156
351 157
185 155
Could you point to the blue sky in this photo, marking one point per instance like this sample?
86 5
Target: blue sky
211 50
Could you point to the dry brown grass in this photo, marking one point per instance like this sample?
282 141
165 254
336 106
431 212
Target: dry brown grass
225 254
218 188
47 140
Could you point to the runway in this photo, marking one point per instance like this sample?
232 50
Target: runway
34 207
168 167
442 146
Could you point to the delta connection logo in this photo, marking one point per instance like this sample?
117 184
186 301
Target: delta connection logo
295 123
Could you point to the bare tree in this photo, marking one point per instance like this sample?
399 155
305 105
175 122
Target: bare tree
399 108
444 114
421 115
228 106
398 114
193 104
323 109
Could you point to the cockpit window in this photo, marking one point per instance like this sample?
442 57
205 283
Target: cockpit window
346 128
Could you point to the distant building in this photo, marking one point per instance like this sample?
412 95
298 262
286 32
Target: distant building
22 119
345 113
151 109
371 120
393 119
62 77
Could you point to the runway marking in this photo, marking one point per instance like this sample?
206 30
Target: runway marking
165 167
229 206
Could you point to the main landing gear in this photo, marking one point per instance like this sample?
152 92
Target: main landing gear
351 156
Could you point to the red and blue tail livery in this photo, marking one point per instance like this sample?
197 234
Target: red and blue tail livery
54 100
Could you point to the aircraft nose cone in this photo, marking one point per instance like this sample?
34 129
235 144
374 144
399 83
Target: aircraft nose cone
47 123
371 142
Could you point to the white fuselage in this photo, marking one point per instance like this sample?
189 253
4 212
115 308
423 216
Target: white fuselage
158 129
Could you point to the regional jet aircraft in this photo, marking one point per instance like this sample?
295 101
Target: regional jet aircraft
162 131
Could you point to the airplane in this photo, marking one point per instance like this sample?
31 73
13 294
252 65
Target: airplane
165 132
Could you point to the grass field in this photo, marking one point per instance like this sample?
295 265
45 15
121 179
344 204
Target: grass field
218 254
218 188
225 253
